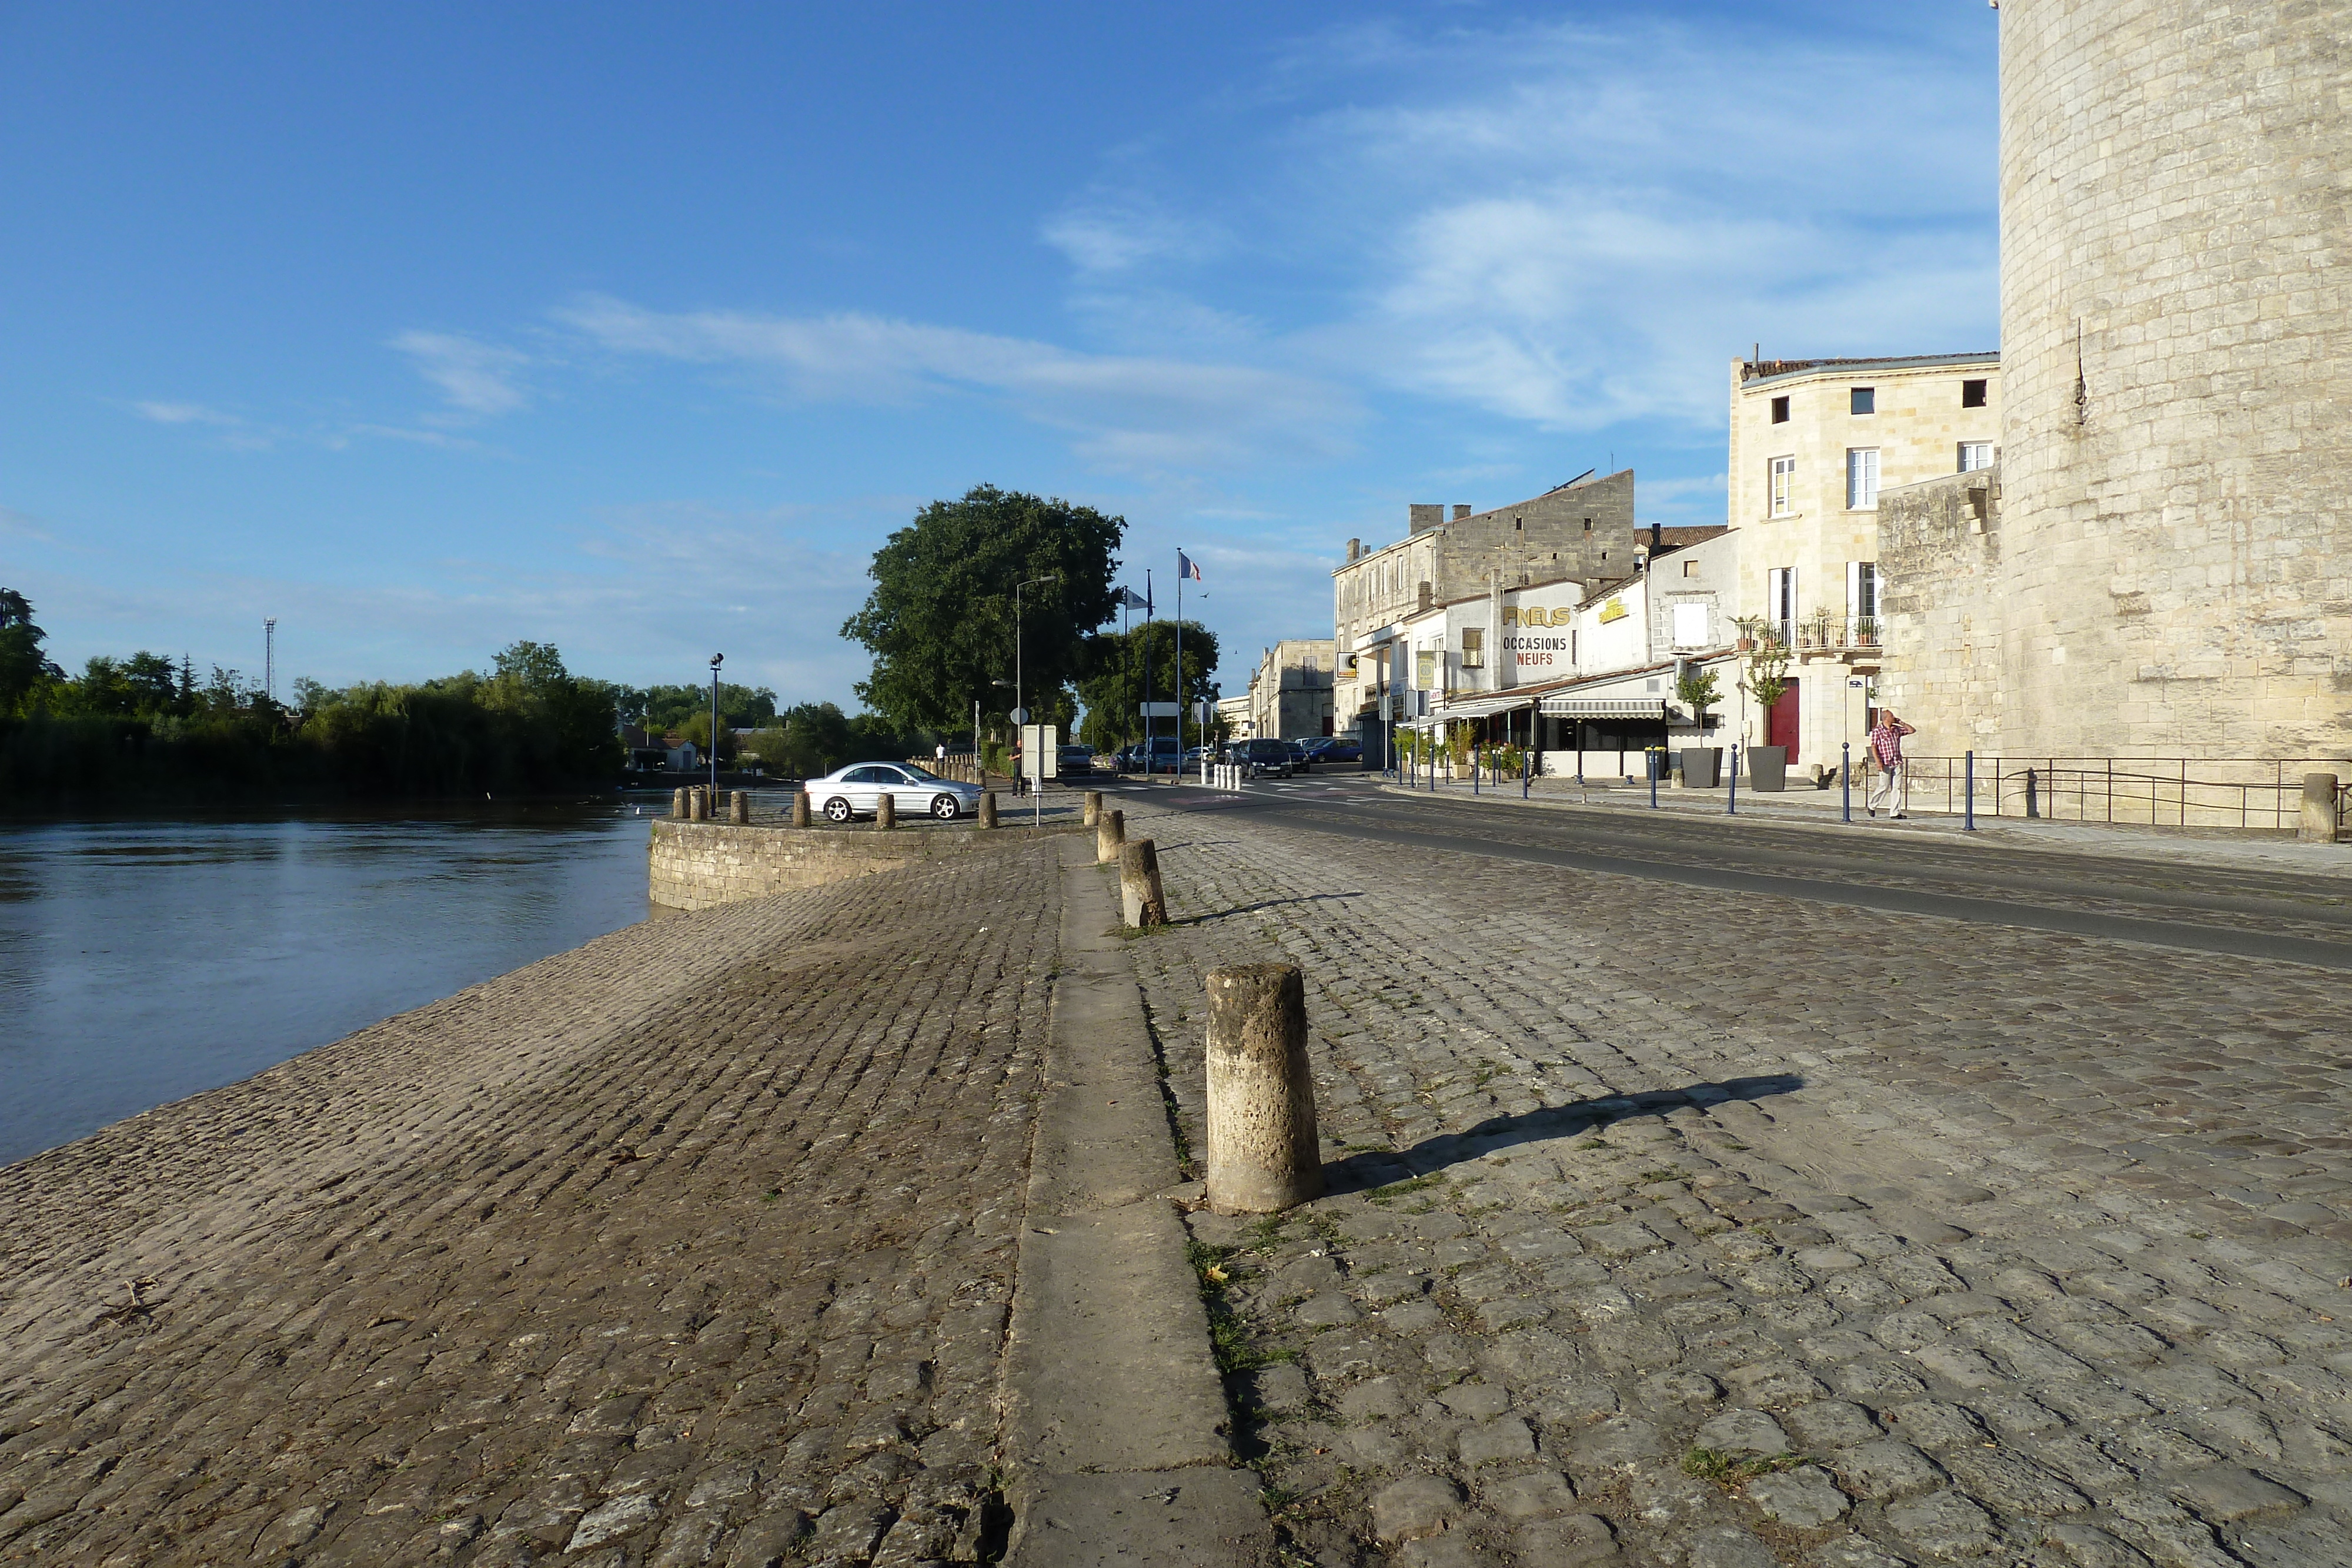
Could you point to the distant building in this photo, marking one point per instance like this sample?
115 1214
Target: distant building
1582 530
1290 695
1234 713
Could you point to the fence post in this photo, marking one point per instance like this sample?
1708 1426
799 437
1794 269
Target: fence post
2318 825
1526 772
1651 757
2032 806
1140 903
1968 796
1110 832
1262 1152
1845 780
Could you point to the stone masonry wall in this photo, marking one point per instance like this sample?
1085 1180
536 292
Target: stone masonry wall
2175 574
1939 609
700 865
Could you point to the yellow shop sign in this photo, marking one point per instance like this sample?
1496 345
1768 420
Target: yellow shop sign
1536 615
1612 611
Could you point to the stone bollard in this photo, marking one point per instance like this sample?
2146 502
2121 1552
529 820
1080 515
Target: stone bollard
886 812
988 807
677 807
739 809
1262 1152
698 805
1140 901
800 808
1094 808
1110 832
2318 808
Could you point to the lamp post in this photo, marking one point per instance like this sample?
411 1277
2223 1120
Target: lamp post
716 660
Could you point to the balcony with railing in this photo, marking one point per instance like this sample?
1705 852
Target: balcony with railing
1825 633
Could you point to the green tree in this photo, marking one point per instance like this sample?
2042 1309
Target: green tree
665 708
24 668
1699 689
1113 688
940 619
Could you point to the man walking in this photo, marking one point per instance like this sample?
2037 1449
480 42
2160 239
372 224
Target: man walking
1894 785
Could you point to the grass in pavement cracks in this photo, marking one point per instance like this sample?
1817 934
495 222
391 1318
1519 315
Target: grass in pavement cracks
1228 1336
1727 1470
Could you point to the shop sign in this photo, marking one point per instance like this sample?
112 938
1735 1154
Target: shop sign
1612 611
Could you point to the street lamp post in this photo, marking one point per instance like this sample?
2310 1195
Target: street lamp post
716 659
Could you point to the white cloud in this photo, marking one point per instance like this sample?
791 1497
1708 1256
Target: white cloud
1125 412
185 414
477 379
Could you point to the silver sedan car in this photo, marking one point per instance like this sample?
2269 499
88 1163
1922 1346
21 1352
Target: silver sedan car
858 789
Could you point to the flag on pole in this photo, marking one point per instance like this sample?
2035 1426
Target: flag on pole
1187 567
1131 600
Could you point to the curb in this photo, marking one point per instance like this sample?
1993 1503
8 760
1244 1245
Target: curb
1115 1424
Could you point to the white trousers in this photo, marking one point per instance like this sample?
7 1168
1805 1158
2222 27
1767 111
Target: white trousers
1893 784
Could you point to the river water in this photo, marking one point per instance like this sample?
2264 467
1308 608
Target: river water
144 960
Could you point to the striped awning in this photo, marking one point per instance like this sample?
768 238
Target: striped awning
1483 707
1605 707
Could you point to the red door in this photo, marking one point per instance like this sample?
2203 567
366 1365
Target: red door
1781 724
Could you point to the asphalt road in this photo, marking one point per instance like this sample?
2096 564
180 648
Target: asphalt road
2259 914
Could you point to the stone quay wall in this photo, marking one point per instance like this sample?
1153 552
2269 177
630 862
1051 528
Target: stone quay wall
2176 184
701 865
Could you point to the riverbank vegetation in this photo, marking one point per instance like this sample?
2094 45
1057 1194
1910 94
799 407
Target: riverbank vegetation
146 729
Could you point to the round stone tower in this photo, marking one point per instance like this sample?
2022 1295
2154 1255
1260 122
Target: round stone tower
2176 473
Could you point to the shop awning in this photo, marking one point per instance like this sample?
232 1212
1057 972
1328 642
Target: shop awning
1605 707
1483 707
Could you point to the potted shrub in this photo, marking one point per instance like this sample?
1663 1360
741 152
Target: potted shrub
1702 765
1768 679
1457 749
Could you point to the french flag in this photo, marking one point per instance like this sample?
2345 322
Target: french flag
1187 567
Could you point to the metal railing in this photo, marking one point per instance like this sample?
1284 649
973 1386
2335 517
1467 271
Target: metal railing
2156 791
1822 633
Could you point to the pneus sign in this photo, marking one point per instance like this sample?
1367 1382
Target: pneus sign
1531 649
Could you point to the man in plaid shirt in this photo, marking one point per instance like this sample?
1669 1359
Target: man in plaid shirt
1894 785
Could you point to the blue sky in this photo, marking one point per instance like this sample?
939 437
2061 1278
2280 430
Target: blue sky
426 327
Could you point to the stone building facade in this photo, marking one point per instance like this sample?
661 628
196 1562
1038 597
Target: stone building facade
1582 530
1290 690
2172 570
1815 445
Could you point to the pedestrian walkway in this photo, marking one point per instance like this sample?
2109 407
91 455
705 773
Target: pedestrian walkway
1804 805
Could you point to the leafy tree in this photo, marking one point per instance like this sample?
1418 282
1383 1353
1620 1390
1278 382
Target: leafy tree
23 666
1699 689
665 708
940 619
1113 688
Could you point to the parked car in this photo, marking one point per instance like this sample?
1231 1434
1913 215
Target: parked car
1076 760
1339 749
1163 757
1302 753
1195 756
1264 756
858 789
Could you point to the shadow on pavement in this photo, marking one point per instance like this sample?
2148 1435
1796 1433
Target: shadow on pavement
1374 1169
1254 908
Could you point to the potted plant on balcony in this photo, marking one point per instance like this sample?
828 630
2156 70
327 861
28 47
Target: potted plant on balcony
1702 765
1768 679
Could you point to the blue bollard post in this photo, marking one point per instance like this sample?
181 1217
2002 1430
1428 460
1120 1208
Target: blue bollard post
1526 772
1968 796
1473 771
1731 806
1653 779
1845 780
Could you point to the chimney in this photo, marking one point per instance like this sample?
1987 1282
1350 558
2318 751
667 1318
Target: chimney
1461 510
1426 515
1355 549
1428 595
1657 537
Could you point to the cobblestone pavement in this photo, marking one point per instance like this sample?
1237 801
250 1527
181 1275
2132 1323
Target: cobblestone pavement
1725 1230
694 1244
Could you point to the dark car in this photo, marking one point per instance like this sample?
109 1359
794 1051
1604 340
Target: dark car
1340 751
1264 756
1075 759
1163 757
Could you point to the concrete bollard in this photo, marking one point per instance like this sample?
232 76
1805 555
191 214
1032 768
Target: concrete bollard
739 809
698 805
886 812
1094 808
2318 808
1262 1152
800 808
677 807
1140 901
988 807
1110 832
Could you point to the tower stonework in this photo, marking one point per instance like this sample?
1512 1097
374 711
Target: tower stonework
2174 560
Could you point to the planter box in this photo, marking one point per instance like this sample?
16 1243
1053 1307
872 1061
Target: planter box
1702 767
1768 767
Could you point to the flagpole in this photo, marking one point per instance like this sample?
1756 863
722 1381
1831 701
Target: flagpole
1180 663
